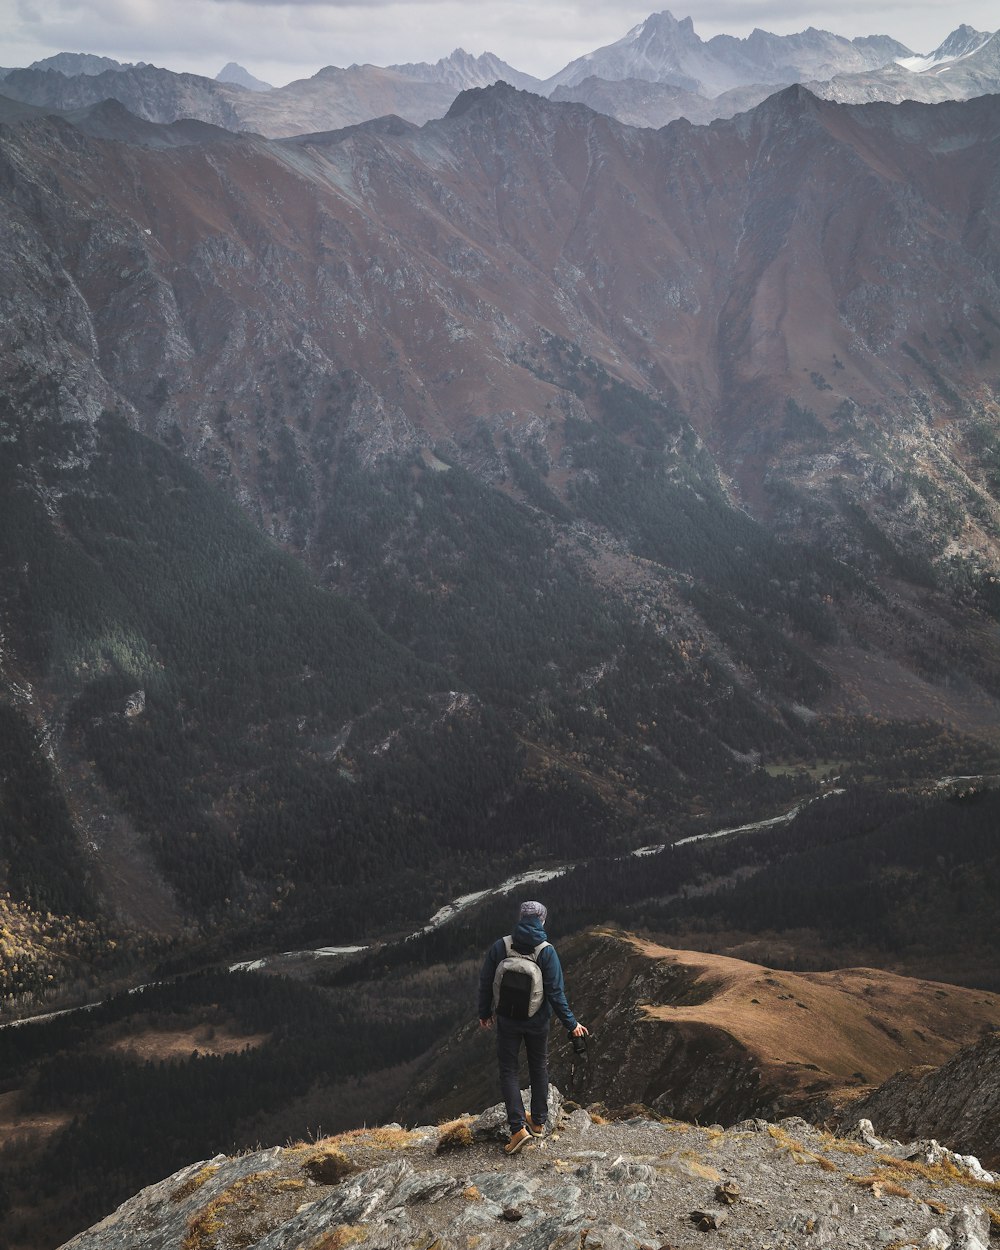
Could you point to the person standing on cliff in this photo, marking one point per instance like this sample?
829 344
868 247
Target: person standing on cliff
520 986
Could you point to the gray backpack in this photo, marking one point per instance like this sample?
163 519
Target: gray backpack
518 989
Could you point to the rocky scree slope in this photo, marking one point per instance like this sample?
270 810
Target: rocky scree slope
637 1182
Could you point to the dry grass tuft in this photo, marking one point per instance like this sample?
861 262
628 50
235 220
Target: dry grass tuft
454 1136
943 1173
800 1154
830 1142
377 1138
338 1238
692 1164
203 1228
223 1219
327 1165
194 1183
994 1215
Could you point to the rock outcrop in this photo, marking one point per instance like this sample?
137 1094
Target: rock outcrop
624 1185
958 1102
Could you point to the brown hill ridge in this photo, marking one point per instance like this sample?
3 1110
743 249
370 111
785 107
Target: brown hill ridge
713 1039
745 1039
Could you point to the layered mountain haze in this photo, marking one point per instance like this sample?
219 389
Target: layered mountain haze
663 49
331 98
461 70
659 71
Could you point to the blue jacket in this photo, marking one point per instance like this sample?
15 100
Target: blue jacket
526 936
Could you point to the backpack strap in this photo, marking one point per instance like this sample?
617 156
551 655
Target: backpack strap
508 943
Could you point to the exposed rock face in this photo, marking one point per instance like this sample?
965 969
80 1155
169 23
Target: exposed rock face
639 102
641 1182
958 1102
70 63
155 94
427 273
732 311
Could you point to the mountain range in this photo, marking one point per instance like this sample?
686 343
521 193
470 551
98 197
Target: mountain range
659 71
574 473
398 516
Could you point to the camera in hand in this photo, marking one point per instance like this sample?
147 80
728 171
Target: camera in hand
580 1044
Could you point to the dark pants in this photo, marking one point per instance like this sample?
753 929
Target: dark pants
510 1034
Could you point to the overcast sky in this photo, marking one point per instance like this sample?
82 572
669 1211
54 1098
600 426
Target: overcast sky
279 40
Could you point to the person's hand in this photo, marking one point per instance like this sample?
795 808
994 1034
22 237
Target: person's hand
486 1024
581 1030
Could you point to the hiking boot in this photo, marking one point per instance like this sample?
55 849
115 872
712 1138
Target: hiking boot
517 1140
533 1127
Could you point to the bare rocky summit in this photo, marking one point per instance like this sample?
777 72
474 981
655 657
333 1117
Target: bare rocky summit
631 1183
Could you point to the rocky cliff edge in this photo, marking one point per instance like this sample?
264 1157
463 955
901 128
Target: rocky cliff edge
622 1184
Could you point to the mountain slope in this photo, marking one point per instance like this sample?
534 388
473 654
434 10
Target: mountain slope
708 1038
625 462
234 73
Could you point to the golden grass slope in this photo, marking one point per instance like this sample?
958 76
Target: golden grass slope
835 1025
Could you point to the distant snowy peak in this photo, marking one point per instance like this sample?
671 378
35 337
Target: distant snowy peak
462 70
960 43
660 49
664 50
240 77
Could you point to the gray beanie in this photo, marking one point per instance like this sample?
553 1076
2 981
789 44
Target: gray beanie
532 908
